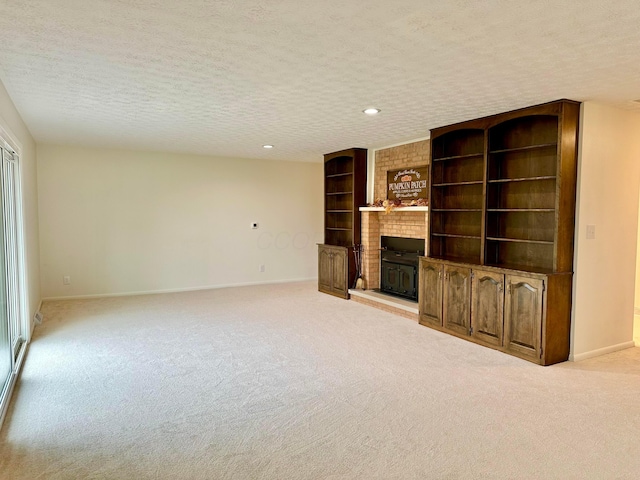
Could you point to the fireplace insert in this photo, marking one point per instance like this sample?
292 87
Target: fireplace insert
399 266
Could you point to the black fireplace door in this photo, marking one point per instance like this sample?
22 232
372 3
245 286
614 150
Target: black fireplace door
399 279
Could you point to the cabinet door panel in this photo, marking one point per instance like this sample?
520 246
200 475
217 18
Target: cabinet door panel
325 267
457 299
430 297
487 303
523 316
340 268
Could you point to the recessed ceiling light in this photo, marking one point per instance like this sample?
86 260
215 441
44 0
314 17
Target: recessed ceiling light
371 111
267 146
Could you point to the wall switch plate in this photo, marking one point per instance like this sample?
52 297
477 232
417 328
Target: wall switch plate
591 232
66 280
254 225
262 269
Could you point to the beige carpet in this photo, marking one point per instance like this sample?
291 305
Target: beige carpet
282 382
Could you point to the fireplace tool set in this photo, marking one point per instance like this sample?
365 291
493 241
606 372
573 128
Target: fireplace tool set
357 252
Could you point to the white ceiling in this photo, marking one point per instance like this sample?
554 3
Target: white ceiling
225 77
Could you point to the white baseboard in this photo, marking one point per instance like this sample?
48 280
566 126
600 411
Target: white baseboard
601 351
175 290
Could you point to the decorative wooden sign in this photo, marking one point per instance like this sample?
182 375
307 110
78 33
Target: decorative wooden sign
408 183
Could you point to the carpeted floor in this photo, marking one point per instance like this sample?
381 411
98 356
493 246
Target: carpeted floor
282 382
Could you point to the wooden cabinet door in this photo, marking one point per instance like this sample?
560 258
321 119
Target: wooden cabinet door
456 307
325 267
523 316
487 307
333 270
430 294
340 269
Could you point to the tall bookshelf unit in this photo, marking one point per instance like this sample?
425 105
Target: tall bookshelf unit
500 259
457 176
345 181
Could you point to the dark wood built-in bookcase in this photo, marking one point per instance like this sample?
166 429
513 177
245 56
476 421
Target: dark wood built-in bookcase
524 193
345 182
456 206
502 216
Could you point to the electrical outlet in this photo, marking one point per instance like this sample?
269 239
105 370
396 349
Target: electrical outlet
262 269
66 280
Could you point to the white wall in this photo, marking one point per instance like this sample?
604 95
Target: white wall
11 124
124 221
608 190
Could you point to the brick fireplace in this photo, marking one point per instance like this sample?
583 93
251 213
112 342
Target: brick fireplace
409 222
401 222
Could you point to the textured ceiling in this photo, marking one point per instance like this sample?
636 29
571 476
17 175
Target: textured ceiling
225 77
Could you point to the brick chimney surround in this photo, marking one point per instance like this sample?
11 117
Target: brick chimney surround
410 222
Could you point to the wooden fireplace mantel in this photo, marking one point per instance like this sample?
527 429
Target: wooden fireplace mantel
395 209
